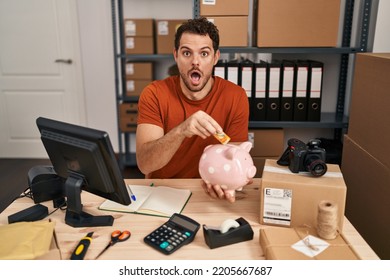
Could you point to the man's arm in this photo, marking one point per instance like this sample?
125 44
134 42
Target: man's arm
155 149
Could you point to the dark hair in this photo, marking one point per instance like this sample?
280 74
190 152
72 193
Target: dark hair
200 26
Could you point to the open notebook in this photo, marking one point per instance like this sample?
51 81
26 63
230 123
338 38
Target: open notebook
157 201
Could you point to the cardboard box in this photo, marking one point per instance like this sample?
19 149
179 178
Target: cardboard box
233 30
128 123
291 199
127 108
298 23
165 34
266 142
139 27
139 70
224 7
259 162
139 45
367 208
369 114
291 244
135 87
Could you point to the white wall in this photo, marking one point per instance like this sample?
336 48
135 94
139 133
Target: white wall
382 38
98 66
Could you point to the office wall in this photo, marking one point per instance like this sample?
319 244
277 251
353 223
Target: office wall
98 65
382 41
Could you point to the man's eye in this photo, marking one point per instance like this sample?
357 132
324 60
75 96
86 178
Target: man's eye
186 53
204 54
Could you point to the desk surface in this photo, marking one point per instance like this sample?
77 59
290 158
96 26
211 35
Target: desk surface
200 207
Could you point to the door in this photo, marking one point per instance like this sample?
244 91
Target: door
40 72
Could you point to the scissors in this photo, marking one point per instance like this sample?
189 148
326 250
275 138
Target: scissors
116 236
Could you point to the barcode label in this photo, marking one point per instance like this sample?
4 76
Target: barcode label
277 206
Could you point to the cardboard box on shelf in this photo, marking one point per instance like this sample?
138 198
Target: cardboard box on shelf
266 142
370 101
233 30
135 87
224 8
303 244
127 108
139 27
139 70
128 123
298 23
292 199
368 181
165 34
139 45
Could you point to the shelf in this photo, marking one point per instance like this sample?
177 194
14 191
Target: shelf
146 57
328 120
333 120
287 50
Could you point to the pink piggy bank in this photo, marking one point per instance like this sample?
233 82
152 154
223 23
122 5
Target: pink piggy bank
229 166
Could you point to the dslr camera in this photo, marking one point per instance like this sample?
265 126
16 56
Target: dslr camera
304 157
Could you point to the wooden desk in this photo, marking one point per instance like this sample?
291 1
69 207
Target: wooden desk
200 207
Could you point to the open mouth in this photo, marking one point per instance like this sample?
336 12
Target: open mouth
195 77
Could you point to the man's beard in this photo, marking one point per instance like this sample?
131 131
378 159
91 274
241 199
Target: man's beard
190 87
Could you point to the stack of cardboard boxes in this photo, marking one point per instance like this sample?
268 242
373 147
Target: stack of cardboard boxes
366 152
289 203
139 36
139 39
165 34
150 36
138 76
231 18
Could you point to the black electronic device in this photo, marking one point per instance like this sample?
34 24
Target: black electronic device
309 157
31 214
84 159
45 184
173 234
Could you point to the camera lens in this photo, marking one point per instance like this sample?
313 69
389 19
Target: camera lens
317 167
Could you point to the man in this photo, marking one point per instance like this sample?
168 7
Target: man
177 115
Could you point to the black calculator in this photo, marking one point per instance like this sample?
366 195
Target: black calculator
173 234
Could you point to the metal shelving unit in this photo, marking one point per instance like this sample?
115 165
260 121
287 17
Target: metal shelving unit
337 120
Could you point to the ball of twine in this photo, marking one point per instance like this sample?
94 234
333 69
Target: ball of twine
327 220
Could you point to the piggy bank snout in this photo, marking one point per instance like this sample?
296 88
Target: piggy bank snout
252 172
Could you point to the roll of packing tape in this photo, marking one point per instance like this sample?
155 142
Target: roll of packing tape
228 224
327 220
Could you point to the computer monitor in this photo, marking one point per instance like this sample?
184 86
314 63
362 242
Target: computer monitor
84 159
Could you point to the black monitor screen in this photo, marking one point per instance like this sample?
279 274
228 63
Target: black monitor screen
84 157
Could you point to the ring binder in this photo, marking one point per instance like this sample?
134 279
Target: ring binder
273 91
257 106
315 90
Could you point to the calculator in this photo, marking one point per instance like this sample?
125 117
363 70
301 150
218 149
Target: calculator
173 234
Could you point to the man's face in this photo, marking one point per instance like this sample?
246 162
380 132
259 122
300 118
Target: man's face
195 60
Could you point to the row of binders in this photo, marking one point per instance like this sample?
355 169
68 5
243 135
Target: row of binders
286 90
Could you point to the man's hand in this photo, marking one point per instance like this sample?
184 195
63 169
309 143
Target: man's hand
201 124
217 191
